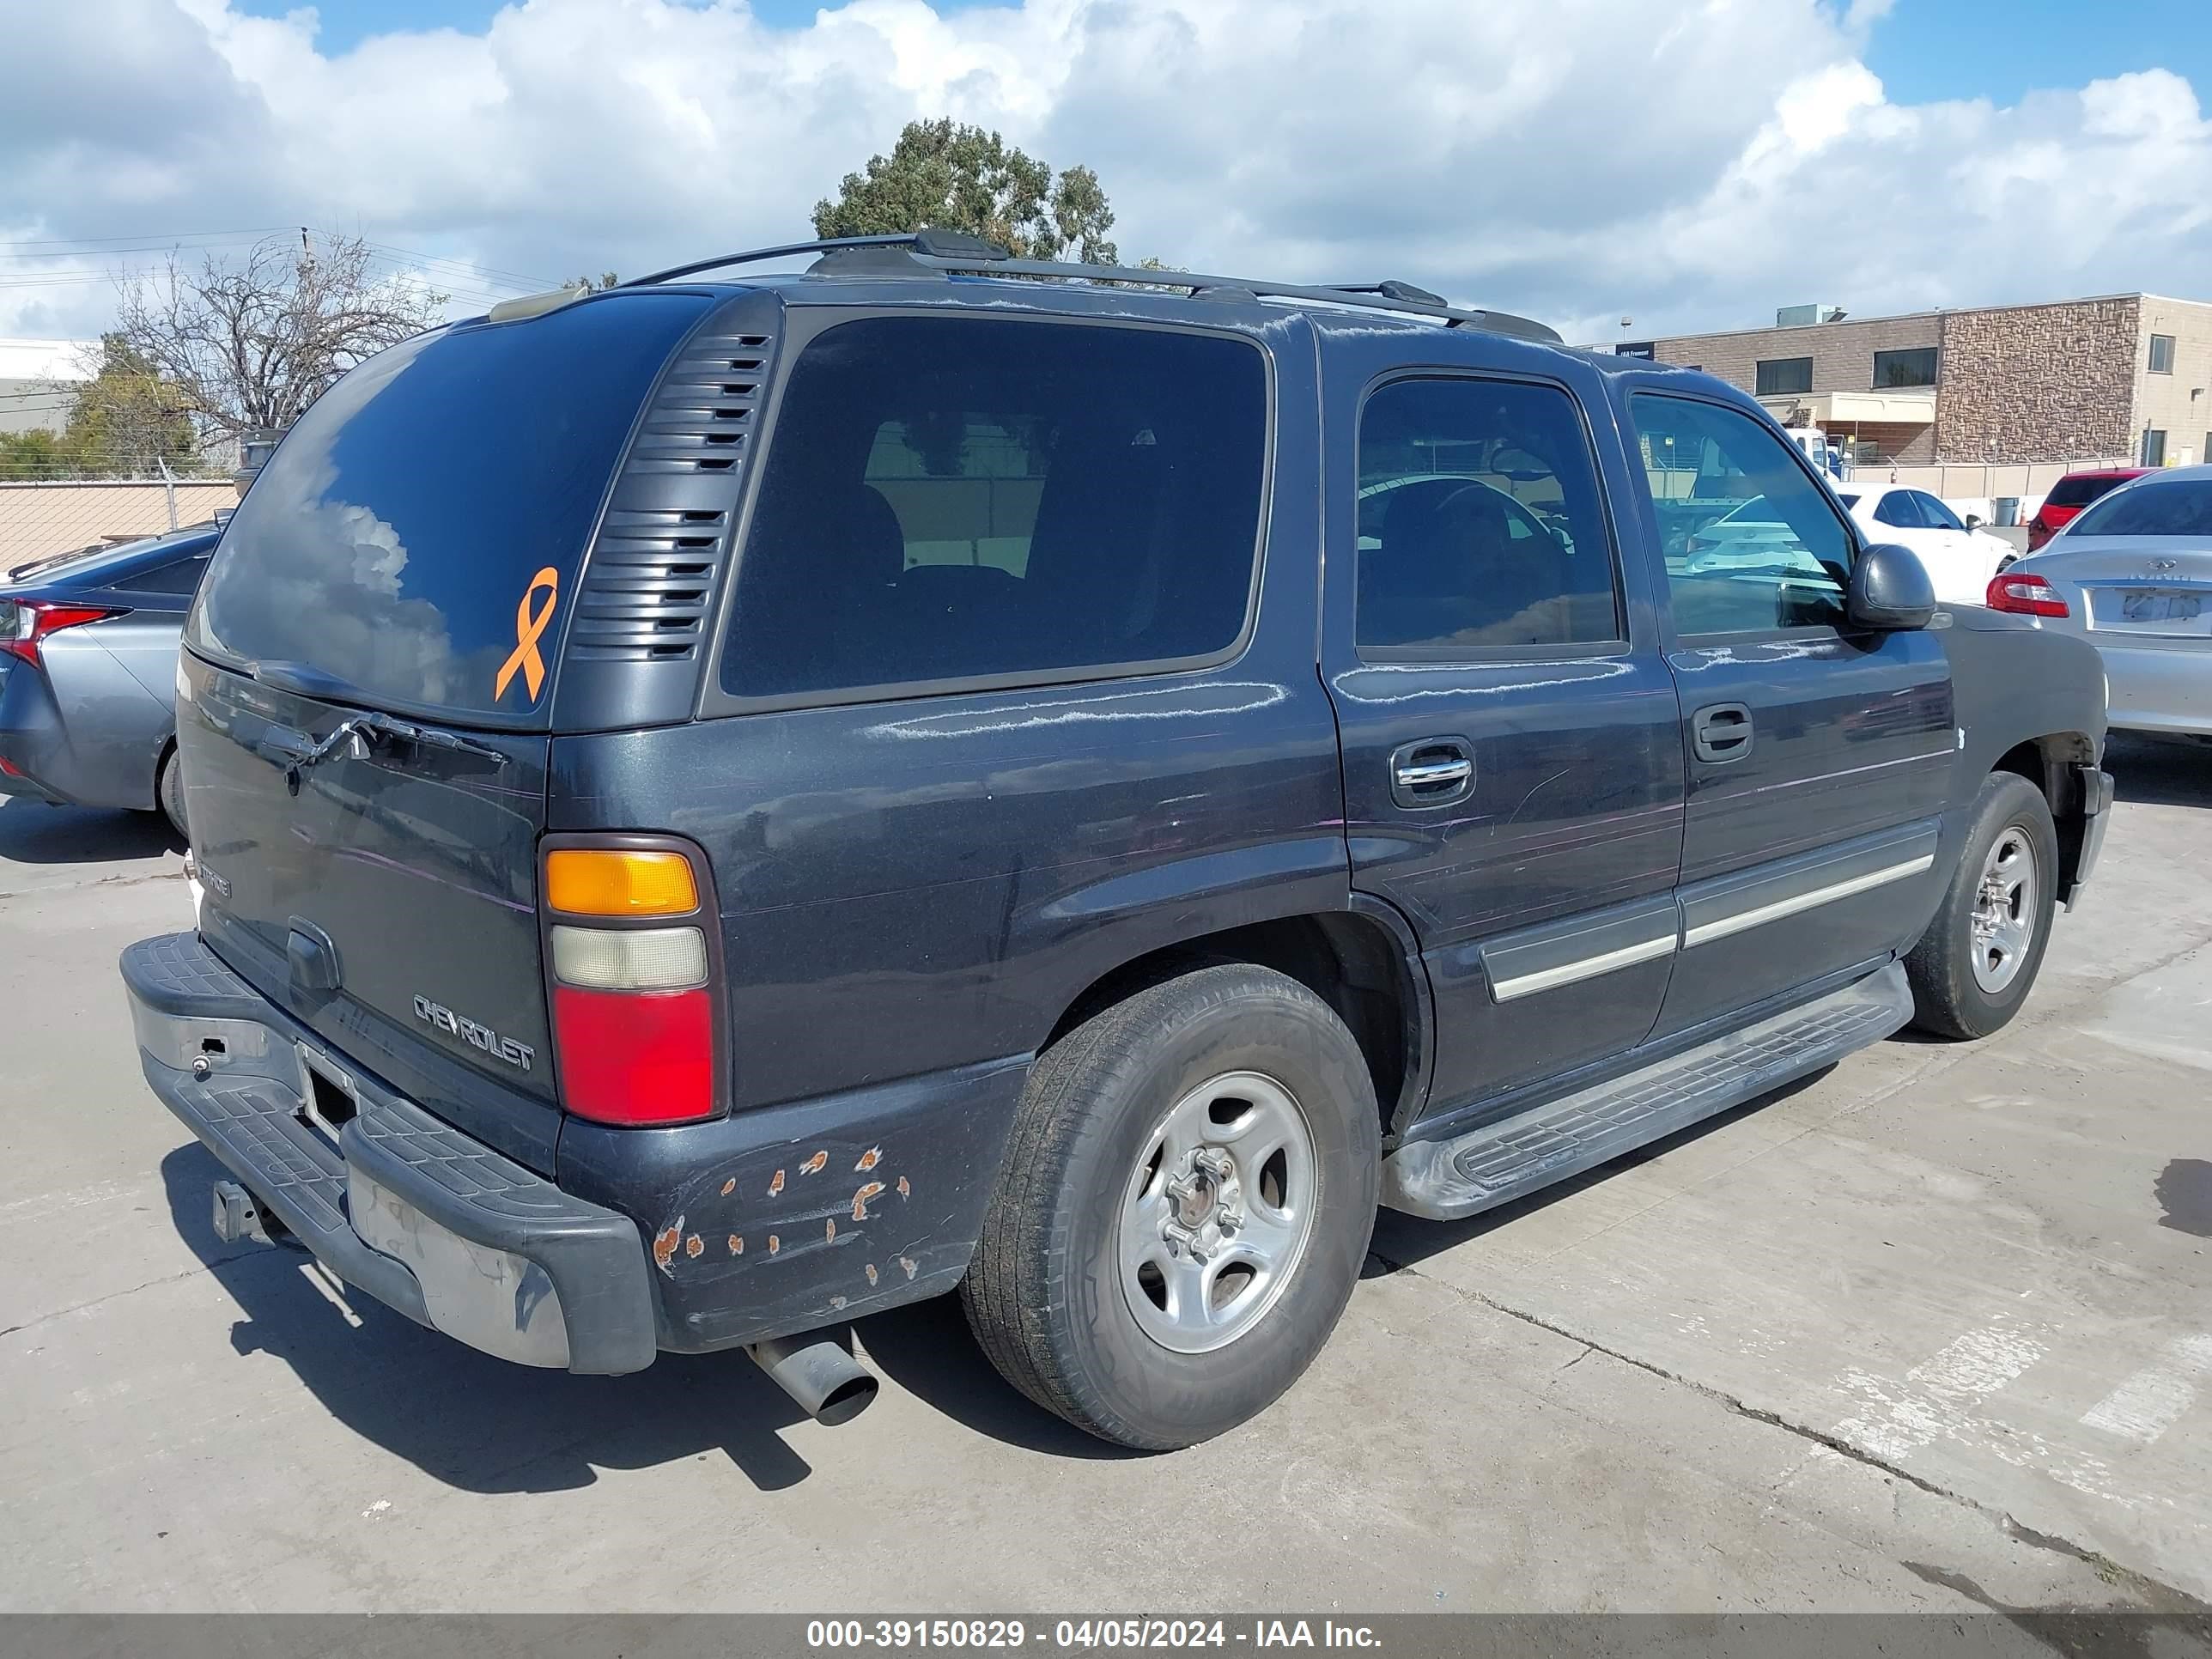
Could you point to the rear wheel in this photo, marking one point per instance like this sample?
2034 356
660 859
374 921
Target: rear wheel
1973 967
1184 1207
169 792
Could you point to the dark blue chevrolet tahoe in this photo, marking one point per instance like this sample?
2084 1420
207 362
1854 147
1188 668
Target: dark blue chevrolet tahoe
727 806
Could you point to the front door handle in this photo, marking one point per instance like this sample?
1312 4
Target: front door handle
1720 732
1434 772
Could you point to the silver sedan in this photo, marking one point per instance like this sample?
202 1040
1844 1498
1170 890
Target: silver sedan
2133 575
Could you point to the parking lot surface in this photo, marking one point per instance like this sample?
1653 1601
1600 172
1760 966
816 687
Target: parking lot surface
1930 1331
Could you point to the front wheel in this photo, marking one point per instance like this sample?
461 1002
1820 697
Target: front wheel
1973 967
1185 1204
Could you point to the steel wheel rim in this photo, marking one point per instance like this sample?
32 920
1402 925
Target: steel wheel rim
2002 926
1217 1212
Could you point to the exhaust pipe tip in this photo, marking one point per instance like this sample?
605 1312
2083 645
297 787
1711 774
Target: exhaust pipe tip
819 1374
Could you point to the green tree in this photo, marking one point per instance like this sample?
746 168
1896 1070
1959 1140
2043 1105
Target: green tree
963 177
37 455
128 422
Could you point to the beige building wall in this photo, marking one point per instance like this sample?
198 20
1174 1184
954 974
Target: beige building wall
1842 353
2179 403
2038 383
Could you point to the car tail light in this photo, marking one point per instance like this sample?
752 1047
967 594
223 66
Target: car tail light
2024 595
24 622
631 959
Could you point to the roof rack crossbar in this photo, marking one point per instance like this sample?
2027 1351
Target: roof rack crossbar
952 251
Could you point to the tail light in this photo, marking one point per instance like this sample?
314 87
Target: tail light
2024 595
630 957
24 622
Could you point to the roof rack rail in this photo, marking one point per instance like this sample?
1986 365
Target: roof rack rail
955 251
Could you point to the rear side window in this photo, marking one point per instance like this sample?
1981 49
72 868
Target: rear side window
952 500
178 576
2175 508
2080 492
1480 525
421 526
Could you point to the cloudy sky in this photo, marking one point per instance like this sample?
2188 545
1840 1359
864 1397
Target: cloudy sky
1693 164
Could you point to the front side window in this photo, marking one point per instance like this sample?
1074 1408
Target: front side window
1751 543
1480 525
2161 354
1780 377
958 499
1912 367
1935 514
1899 511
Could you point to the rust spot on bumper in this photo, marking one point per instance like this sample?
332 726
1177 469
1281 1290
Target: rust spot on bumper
665 1244
777 1185
904 1191
869 1159
729 1186
773 1244
830 1230
695 1247
872 1275
737 1245
872 1189
815 1164
908 1264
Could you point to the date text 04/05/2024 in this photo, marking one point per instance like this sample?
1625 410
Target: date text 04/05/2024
1084 1634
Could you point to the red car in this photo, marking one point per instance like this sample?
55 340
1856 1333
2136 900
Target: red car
2069 495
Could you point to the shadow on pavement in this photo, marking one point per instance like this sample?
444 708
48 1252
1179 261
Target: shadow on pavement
1404 1241
32 832
483 1424
2159 771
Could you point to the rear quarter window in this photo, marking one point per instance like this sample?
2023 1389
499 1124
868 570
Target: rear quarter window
955 501
394 537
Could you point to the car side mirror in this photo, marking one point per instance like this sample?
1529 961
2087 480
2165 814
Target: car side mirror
1889 590
1974 521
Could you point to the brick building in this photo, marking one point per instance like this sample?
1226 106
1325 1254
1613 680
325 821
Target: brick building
2123 377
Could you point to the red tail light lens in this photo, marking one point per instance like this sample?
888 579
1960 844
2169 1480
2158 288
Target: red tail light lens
635 1058
24 622
631 968
2024 595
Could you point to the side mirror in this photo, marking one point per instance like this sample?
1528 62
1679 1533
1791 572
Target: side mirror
1974 521
1890 590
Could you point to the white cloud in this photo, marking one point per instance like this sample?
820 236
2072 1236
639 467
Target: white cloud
1573 158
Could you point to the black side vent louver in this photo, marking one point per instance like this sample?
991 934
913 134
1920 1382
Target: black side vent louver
666 532
638 630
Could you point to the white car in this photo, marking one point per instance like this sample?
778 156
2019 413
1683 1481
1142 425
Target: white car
1960 560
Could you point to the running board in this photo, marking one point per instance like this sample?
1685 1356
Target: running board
1501 1162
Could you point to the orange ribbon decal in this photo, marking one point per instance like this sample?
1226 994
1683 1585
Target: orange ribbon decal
527 627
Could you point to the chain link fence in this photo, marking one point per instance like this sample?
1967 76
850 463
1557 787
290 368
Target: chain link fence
42 517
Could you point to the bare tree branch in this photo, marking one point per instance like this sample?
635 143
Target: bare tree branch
250 344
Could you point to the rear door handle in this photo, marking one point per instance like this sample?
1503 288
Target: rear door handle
1434 772
1720 731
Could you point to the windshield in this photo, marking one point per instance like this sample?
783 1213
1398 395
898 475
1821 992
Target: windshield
422 524
2179 508
2080 491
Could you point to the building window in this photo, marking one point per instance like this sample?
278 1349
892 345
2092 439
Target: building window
1780 377
2153 448
1915 366
2161 354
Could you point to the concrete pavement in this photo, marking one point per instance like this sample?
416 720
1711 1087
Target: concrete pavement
1932 1331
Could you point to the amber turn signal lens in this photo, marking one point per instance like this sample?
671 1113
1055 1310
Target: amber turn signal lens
592 881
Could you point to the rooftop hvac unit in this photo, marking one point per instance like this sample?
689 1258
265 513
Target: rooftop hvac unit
1808 316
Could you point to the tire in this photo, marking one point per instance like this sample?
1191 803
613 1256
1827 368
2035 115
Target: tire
2007 563
1050 1292
1960 988
169 792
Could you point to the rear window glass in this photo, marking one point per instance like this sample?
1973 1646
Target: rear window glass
2151 509
397 538
956 499
2080 492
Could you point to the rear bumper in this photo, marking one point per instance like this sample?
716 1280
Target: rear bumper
2158 689
430 1223
707 1236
